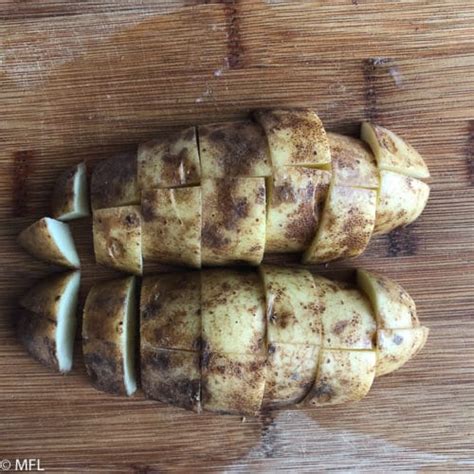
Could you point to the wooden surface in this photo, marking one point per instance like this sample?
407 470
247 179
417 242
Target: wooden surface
80 80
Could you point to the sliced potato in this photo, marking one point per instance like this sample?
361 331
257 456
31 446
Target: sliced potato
118 238
392 152
234 149
169 161
295 137
394 307
346 225
70 198
233 220
395 347
353 164
171 225
343 376
50 240
295 198
401 201
114 182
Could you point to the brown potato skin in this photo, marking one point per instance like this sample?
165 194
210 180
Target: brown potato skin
62 200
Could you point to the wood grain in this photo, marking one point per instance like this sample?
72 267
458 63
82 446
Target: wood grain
81 80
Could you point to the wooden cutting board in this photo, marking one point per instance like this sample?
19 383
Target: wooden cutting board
80 80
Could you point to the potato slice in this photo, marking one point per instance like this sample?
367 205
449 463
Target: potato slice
70 198
118 238
343 376
169 161
346 225
171 225
233 383
401 201
114 182
295 199
395 347
50 240
295 137
234 149
393 306
233 220
353 164
392 152
109 336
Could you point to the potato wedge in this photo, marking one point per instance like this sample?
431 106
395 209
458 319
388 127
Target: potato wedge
171 225
295 200
392 152
234 149
114 182
343 376
346 225
50 240
70 198
233 220
118 238
295 137
169 161
395 347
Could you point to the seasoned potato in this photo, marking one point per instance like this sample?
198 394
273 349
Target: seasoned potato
118 238
392 152
171 225
346 225
169 161
70 198
295 137
233 220
50 240
295 199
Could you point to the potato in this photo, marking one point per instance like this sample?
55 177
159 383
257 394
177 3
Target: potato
118 238
234 149
393 306
346 225
171 225
50 240
169 161
295 137
70 198
109 335
401 201
233 220
295 199
392 152
114 182
353 164
395 347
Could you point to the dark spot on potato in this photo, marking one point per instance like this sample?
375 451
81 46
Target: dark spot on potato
339 327
397 339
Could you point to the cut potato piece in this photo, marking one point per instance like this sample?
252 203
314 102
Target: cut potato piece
70 198
234 149
170 308
50 240
169 161
401 201
343 376
233 312
395 347
295 137
347 319
353 164
233 220
118 238
346 225
114 182
233 383
392 152
295 199
172 225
